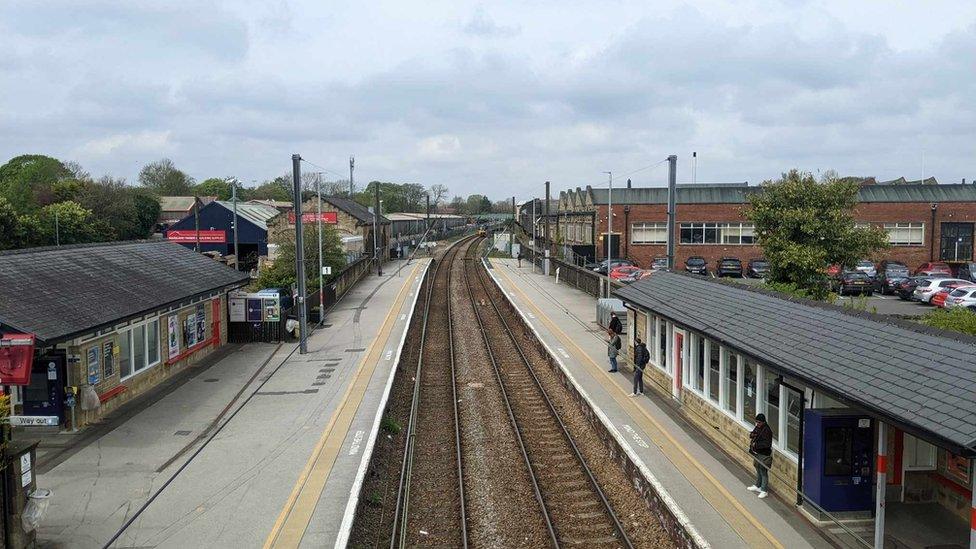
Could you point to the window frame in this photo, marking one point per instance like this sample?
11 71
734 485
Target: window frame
648 226
910 227
697 233
144 326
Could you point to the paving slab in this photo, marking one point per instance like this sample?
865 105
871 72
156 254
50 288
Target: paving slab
707 486
237 489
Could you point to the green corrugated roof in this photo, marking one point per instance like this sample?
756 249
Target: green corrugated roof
918 193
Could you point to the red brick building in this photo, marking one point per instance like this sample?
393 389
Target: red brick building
925 221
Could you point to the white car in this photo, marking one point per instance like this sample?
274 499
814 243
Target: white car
961 297
928 288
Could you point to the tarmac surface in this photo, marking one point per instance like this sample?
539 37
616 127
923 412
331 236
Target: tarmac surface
281 473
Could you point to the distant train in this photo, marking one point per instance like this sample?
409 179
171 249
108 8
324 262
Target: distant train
482 231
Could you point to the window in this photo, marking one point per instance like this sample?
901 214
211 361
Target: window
750 376
125 353
772 403
649 233
794 409
837 452
714 370
701 354
731 382
919 455
905 234
717 233
662 338
138 348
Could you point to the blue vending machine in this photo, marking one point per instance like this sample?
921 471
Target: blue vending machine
838 459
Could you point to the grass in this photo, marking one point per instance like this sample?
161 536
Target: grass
391 425
957 319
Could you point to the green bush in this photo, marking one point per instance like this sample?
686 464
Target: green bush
957 319
390 425
815 293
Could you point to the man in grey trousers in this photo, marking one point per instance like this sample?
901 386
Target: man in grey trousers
613 349
641 357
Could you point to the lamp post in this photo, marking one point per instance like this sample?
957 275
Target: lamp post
609 239
233 197
318 191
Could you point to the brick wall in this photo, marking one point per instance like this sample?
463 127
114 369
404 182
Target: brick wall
874 212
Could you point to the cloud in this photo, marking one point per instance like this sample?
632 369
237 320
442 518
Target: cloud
482 25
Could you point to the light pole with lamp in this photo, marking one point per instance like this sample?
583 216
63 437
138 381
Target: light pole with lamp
609 240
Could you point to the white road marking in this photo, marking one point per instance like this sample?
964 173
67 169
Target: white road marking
357 439
389 355
637 438
562 352
403 316
530 315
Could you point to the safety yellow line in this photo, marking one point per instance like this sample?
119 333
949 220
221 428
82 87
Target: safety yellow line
746 531
290 526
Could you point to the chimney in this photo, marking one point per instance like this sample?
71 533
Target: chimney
628 183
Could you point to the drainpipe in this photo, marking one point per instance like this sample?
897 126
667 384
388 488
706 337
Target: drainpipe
626 234
935 208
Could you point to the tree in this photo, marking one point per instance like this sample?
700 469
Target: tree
477 204
27 181
438 194
64 223
128 212
281 273
221 188
279 188
11 233
804 225
458 205
164 179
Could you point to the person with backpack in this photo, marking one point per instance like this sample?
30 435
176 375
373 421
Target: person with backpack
641 357
613 349
615 324
761 449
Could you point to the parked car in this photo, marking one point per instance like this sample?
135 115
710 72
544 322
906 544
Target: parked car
967 271
697 265
929 287
757 268
855 282
639 274
729 266
623 271
933 268
834 271
962 297
659 263
906 288
866 266
602 268
939 298
890 273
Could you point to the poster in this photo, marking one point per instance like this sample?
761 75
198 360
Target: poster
174 337
957 468
108 359
190 330
94 365
271 310
238 307
201 323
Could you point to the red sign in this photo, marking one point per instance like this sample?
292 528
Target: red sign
16 357
311 217
191 236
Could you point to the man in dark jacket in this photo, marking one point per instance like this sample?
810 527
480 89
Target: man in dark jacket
613 349
761 449
615 325
641 358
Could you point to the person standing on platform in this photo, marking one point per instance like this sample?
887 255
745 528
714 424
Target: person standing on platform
613 349
615 325
641 357
761 449
520 256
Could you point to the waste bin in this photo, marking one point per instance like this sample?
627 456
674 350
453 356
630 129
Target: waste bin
19 482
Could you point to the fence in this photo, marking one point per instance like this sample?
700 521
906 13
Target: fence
578 277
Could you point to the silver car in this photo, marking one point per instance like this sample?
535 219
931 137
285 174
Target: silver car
961 297
867 267
928 288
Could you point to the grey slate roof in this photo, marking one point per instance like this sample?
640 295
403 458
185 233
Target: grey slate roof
57 293
355 209
737 193
919 378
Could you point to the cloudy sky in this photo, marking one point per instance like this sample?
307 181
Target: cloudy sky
494 97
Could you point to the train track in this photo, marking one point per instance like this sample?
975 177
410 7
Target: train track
575 510
427 475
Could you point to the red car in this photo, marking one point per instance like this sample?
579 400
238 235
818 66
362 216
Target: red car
834 271
623 272
939 298
933 268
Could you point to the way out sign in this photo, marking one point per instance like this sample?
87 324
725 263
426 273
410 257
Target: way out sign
327 270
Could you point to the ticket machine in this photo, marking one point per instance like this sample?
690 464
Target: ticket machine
838 459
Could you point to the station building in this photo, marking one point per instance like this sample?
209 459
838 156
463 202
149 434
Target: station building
925 221
848 396
117 318
352 220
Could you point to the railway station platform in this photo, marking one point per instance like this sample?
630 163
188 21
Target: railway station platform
707 486
285 469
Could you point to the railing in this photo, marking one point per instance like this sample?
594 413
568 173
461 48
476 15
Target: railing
578 277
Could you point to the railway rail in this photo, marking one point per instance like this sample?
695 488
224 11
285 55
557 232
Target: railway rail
575 509
426 473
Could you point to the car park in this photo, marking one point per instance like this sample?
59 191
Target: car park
967 271
696 265
659 263
890 273
906 288
639 274
934 268
927 288
757 268
939 298
854 282
729 266
962 297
